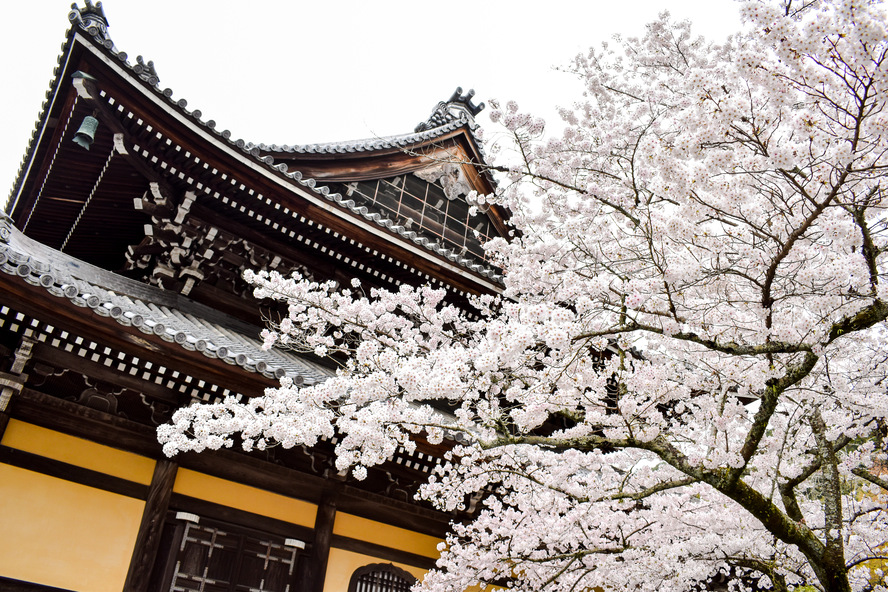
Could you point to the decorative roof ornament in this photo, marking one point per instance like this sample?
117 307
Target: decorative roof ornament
146 71
6 226
450 176
91 18
458 106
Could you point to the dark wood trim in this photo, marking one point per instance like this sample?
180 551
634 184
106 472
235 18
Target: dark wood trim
238 517
393 512
59 358
4 421
70 418
266 240
148 538
235 466
163 575
238 467
73 473
320 551
253 471
389 554
11 585
84 422
173 543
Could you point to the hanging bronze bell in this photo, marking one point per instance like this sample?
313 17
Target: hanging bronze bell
86 134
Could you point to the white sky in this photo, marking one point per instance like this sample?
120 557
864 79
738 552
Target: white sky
297 72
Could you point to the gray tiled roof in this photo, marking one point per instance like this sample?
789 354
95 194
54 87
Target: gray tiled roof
151 310
368 144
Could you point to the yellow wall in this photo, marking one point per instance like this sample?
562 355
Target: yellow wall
243 497
77 451
342 564
382 534
72 536
64 534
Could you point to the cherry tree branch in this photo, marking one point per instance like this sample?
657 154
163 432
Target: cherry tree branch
874 479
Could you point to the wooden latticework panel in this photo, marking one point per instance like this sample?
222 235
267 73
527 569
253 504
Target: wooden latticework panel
214 560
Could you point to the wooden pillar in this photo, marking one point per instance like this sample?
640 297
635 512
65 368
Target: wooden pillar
9 386
320 548
4 421
148 539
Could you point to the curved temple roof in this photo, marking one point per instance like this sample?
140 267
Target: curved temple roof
171 317
368 144
448 117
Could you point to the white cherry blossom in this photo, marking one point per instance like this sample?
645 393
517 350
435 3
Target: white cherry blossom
685 374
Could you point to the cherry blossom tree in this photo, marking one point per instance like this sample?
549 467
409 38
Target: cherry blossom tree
685 374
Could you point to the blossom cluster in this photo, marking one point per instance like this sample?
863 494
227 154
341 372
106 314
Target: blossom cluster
685 373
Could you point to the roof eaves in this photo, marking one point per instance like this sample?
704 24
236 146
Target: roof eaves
367 144
40 126
149 309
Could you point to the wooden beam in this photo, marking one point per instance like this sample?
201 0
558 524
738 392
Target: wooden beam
316 572
4 421
26 201
374 506
256 522
85 422
68 417
73 473
276 244
58 358
253 471
382 552
12 384
256 472
148 538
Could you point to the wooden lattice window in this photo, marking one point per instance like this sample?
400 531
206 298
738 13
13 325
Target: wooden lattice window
424 207
216 558
381 577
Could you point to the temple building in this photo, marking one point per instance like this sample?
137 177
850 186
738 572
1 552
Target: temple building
122 249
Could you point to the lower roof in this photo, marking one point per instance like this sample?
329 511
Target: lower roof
150 310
